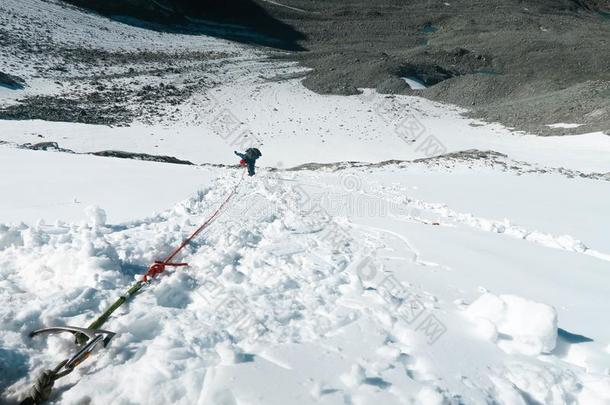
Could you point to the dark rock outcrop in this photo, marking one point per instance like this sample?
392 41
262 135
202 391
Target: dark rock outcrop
141 156
244 20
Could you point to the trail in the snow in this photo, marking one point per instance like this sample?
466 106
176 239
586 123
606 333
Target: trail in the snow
358 197
219 298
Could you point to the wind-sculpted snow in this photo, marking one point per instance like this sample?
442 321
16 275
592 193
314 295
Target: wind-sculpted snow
240 287
312 287
512 316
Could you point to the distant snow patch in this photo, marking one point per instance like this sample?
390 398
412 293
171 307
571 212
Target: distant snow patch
564 125
286 6
11 82
414 84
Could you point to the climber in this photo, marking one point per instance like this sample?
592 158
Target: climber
249 159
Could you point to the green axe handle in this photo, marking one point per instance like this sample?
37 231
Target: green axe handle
82 339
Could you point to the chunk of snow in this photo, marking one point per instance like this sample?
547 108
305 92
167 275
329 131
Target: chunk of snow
227 353
96 216
530 326
487 329
355 377
10 236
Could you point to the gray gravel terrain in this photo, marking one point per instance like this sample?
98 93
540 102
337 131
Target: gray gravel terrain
524 63
95 85
98 86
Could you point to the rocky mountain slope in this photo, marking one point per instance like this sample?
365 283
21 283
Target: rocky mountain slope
520 63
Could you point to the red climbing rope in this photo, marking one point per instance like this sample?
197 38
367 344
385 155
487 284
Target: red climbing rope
90 337
159 266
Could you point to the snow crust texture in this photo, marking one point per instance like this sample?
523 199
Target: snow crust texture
290 286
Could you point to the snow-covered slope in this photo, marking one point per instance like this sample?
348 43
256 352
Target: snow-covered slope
470 278
335 284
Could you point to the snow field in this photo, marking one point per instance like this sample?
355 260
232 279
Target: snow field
290 286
